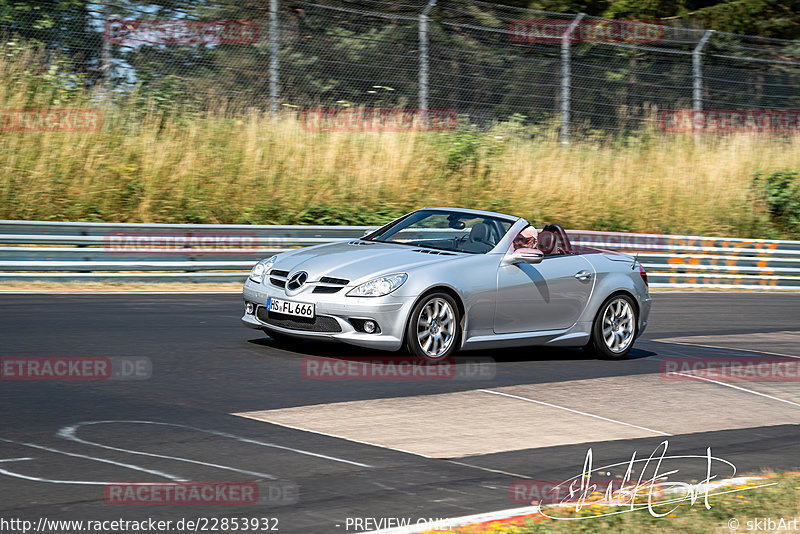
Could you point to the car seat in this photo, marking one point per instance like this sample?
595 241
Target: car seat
479 240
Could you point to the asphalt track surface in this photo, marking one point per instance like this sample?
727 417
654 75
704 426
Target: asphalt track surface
207 367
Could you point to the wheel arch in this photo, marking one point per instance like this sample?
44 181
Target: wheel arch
459 304
622 291
613 283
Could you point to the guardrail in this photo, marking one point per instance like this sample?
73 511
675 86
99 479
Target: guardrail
55 251
705 262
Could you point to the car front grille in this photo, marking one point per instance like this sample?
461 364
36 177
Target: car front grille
320 323
326 289
334 284
278 278
331 280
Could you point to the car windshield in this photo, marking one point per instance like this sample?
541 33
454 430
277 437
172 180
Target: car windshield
445 230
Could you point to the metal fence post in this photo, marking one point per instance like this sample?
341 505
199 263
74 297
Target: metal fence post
697 71
274 71
423 58
566 78
105 51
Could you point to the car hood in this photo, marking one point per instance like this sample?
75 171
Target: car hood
357 260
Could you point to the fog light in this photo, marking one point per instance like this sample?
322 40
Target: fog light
249 308
369 327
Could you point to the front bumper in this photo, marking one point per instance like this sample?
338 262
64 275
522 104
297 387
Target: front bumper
389 312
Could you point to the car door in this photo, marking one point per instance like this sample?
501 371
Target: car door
550 295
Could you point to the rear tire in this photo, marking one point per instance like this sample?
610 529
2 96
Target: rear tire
434 328
614 328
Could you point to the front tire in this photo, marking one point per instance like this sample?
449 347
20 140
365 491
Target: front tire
434 327
614 328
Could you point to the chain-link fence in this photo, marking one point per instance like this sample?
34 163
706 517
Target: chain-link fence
483 61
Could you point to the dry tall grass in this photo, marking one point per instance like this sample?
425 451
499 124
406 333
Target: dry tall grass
222 167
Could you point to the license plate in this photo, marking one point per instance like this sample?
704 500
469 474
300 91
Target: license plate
300 309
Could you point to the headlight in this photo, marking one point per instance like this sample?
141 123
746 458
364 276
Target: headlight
261 268
378 287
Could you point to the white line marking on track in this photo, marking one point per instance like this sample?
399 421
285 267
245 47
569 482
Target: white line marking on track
574 411
213 432
338 437
680 354
94 458
741 389
50 480
498 471
729 351
398 450
68 433
717 347
15 460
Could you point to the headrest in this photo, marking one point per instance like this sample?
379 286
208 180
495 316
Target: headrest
560 240
479 232
547 241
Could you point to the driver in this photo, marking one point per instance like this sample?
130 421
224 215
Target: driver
527 238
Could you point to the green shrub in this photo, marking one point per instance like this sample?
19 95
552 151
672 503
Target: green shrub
781 192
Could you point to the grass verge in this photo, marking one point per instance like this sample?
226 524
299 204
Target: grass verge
727 510
154 162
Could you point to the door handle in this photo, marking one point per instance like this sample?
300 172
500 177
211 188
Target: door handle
583 275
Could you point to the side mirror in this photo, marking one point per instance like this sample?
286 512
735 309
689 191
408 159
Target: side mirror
367 232
524 255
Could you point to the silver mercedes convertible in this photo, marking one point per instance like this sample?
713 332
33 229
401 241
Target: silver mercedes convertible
440 280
